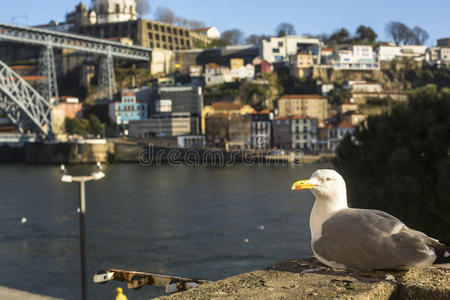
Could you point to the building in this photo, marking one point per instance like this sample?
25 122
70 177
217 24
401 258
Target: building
260 137
445 42
191 141
224 109
128 109
358 86
337 132
111 11
152 34
162 62
438 56
68 107
355 57
304 132
161 125
210 32
203 36
71 106
282 137
388 53
219 56
415 52
279 49
301 65
315 106
322 141
326 55
215 74
228 130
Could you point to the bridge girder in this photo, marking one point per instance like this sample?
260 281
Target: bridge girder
23 105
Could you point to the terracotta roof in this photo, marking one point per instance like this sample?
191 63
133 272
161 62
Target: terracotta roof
213 66
262 112
226 106
315 96
327 49
345 124
282 118
32 77
23 67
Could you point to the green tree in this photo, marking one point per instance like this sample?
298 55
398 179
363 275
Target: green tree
400 162
95 126
340 36
365 33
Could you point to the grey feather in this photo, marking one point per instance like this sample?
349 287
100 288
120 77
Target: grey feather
363 239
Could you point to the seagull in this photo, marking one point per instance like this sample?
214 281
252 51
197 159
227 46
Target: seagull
62 170
363 239
99 167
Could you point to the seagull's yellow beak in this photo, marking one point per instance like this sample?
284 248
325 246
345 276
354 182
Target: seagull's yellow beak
302 184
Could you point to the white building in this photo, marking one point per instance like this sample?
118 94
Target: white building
416 52
388 53
438 55
356 57
361 86
210 32
279 49
110 11
215 74
191 141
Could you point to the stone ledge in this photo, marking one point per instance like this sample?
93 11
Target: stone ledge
308 279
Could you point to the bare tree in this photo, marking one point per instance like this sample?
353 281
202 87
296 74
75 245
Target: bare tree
142 7
196 24
256 39
233 36
165 15
400 33
285 29
421 35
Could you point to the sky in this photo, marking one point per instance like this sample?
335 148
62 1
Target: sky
263 16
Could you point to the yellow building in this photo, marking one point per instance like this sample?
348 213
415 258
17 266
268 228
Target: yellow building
314 106
224 108
236 63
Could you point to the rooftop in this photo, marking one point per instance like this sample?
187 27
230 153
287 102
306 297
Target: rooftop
302 96
226 106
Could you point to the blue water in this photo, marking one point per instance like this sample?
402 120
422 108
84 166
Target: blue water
185 221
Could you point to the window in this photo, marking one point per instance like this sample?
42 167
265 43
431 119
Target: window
280 44
276 50
117 9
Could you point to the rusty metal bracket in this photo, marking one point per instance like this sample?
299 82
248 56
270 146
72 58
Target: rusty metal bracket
136 280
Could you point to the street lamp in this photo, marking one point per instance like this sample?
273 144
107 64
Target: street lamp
64 177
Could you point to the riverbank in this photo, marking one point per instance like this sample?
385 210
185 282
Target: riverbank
306 279
119 150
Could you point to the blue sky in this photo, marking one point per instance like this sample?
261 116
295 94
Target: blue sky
262 16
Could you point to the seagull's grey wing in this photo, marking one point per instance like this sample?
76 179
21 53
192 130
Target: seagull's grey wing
361 239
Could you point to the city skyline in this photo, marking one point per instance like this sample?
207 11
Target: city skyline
262 17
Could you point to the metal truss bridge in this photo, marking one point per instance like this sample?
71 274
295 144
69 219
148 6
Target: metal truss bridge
22 103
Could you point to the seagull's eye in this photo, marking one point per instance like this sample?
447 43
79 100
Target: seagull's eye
328 179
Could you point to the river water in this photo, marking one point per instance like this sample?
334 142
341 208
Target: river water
203 222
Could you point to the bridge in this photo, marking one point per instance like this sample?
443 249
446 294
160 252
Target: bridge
22 103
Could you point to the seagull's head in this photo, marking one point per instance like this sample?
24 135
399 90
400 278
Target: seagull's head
324 184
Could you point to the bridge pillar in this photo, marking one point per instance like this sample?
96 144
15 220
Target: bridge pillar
106 77
48 86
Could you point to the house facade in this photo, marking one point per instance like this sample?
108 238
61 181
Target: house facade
315 106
